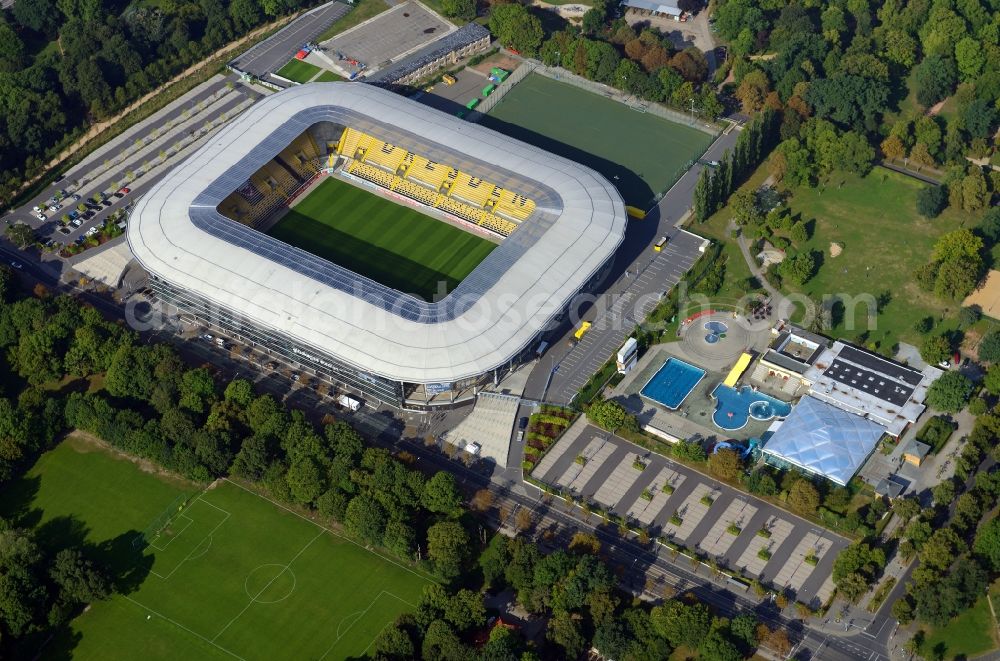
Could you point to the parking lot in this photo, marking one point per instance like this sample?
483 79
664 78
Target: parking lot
692 509
389 36
468 85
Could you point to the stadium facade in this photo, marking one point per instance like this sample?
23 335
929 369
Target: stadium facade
196 233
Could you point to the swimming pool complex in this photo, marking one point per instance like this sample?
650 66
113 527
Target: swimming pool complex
672 383
734 407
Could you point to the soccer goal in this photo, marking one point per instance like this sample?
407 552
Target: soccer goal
160 523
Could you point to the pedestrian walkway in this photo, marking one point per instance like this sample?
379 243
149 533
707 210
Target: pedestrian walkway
489 425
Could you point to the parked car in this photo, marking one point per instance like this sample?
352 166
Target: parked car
124 191
93 230
207 337
522 424
37 209
76 222
41 216
106 202
73 215
17 265
64 230
76 197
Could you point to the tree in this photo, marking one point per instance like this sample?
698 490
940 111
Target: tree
366 518
799 232
79 581
935 349
20 235
611 415
987 543
744 629
515 27
393 644
803 497
957 278
943 493
934 79
941 549
957 244
566 630
726 464
239 392
463 9
989 347
305 480
931 201
893 148
798 268
745 209
715 647
979 117
856 568
970 58
682 624
447 548
949 392
441 495
37 15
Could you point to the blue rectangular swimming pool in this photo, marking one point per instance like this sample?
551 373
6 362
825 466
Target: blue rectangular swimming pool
672 383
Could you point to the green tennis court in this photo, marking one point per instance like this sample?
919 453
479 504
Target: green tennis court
641 153
379 239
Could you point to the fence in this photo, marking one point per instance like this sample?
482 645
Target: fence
493 99
633 102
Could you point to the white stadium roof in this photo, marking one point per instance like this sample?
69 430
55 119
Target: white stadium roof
825 440
177 234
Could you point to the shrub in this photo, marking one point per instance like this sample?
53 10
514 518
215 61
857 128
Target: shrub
707 500
675 519
733 529
581 460
763 553
765 533
646 494
667 489
931 201
639 465
811 558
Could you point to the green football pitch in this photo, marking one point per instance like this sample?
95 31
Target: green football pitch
640 153
379 239
233 575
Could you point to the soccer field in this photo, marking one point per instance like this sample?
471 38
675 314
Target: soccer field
233 576
640 153
379 239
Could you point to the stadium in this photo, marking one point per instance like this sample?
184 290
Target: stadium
380 243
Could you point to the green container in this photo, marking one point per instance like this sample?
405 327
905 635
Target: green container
472 104
489 89
503 75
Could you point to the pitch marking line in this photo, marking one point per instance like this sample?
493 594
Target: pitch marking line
332 532
207 536
175 535
181 626
253 599
360 616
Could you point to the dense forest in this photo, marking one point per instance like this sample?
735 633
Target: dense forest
67 63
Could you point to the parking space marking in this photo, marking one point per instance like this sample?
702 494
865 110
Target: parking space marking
646 510
692 511
719 539
751 561
620 481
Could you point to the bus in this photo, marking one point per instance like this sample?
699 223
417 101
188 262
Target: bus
658 246
448 79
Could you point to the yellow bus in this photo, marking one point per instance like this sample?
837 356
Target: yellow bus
658 246
582 330
448 79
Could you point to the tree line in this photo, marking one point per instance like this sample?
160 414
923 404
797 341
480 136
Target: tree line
145 402
65 65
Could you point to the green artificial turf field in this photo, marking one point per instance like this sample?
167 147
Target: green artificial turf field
299 71
233 575
640 153
379 239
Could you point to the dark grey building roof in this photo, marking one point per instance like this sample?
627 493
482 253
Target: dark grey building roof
460 38
786 362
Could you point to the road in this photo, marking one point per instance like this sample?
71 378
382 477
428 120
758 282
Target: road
273 53
138 151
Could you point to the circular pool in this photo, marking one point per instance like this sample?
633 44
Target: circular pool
716 327
762 410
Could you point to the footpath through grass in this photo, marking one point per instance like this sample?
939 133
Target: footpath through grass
966 636
379 239
640 153
232 575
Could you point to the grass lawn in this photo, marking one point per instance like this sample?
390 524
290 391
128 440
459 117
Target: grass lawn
885 240
875 219
299 71
967 635
233 575
388 242
328 77
639 152
362 11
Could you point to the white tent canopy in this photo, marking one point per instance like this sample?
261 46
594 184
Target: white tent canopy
824 440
